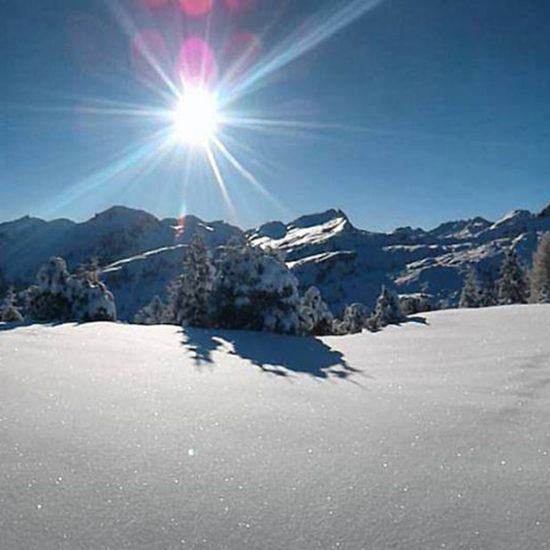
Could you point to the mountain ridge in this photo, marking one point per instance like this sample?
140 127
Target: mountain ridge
139 253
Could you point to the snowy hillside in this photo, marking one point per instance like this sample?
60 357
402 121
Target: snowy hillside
112 235
429 435
140 253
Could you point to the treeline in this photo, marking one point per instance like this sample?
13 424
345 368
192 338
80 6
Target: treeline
250 288
61 296
515 284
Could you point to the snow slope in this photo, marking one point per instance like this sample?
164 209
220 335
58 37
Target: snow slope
430 435
112 235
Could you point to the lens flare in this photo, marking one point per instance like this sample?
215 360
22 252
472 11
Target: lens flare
154 4
196 118
202 77
240 53
195 8
149 52
196 63
239 5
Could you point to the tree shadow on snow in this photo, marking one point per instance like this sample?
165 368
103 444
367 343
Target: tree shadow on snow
201 343
272 353
10 326
22 324
417 319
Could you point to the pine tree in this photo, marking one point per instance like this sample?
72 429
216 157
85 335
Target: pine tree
512 285
88 270
3 283
8 309
489 296
416 303
60 296
255 290
315 316
49 299
470 296
353 319
154 313
189 296
540 275
387 311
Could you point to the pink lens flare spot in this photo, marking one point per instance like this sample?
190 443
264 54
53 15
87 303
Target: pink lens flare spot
149 54
240 53
239 5
196 8
196 63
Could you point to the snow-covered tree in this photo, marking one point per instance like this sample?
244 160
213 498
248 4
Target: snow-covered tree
489 296
48 300
254 290
88 269
416 303
352 320
154 313
189 295
58 295
8 308
90 299
387 311
512 285
540 275
3 283
470 297
315 316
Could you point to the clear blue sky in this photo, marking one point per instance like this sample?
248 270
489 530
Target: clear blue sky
427 110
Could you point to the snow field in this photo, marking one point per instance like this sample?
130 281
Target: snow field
434 434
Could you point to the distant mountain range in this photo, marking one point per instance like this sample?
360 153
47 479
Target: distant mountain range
139 254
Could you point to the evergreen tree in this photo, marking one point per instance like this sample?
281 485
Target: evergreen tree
60 296
189 296
489 296
512 285
416 303
255 290
8 309
470 296
3 284
353 320
49 300
315 316
88 270
540 275
387 311
154 313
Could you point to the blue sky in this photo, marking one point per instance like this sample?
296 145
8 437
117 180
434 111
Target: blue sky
415 113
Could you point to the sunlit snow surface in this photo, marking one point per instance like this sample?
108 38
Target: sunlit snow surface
423 436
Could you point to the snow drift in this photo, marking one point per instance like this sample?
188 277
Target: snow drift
433 434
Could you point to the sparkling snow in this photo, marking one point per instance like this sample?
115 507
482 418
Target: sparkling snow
435 434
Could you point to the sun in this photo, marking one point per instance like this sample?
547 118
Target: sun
196 118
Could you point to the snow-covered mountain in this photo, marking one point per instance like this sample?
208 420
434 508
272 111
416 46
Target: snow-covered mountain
420 437
351 264
140 254
115 234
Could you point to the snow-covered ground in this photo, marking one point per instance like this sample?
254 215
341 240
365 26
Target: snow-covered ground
431 435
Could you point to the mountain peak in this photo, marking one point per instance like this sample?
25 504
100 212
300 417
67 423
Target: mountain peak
311 220
545 212
514 217
123 213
